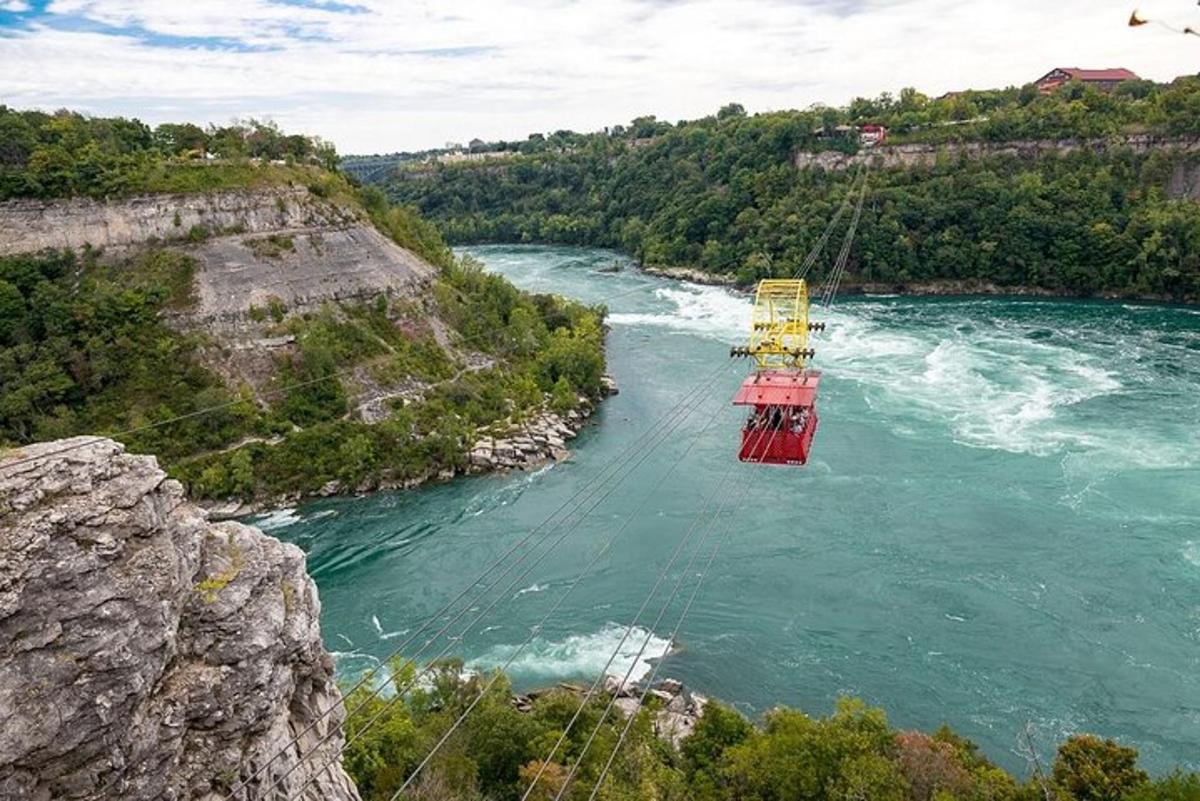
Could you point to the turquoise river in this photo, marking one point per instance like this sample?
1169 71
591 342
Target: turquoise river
999 529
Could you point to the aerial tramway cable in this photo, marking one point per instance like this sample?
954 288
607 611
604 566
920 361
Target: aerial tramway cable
674 417
815 252
737 497
591 691
834 280
558 603
707 529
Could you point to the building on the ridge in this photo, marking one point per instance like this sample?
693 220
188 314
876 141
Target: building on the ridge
871 134
1104 80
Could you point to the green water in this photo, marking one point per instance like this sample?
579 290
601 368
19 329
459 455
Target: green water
1000 523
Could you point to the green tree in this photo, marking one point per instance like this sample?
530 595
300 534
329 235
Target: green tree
1088 768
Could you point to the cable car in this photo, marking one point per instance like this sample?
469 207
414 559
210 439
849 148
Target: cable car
782 391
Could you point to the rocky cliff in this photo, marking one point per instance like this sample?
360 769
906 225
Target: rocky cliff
1184 182
32 225
146 653
252 247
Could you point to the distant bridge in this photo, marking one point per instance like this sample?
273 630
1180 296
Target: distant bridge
372 170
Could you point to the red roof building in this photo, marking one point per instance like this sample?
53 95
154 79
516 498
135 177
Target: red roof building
1104 80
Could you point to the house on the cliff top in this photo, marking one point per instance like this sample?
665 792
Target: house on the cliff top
1104 80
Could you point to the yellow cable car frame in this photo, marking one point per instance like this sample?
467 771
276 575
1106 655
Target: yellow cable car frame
779 325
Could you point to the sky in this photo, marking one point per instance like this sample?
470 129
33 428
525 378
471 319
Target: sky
375 76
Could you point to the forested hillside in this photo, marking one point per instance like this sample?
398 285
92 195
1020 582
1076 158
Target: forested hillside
853 754
722 194
65 154
102 343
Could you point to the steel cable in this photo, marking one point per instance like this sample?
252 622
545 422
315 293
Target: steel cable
562 598
636 449
738 497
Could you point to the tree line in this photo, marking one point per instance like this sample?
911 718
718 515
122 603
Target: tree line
852 754
65 153
721 193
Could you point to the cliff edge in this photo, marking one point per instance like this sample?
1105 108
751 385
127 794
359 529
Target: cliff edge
146 653
250 247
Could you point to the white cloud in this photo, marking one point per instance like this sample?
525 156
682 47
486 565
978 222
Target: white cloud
417 74
15 6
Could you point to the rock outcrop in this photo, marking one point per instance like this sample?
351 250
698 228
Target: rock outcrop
279 247
146 653
1184 182
680 709
32 225
523 445
678 712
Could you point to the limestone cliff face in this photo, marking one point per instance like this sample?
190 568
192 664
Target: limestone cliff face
31 225
252 247
146 653
1184 182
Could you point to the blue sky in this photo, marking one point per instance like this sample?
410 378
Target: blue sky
377 76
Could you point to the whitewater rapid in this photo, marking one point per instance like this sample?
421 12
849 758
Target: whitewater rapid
989 382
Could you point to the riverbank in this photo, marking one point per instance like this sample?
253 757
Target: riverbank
968 288
920 288
690 274
513 445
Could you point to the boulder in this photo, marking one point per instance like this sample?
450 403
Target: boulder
628 706
146 653
613 685
661 695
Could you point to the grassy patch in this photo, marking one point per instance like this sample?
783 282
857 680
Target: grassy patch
211 586
272 246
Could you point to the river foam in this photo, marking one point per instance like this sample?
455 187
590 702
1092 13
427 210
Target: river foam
1017 385
577 655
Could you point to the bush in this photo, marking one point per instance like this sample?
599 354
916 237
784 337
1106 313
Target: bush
1091 769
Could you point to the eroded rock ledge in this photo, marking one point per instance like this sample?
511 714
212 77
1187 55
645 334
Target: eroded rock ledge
678 708
524 445
146 653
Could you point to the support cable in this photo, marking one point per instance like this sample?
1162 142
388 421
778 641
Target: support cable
582 495
732 495
839 268
662 436
591 691
811 258
562 598
625 680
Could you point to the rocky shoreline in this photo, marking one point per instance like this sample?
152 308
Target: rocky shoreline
675 720
511 445
690 274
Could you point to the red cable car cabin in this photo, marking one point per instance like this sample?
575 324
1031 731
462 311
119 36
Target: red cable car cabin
783 417
782 391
